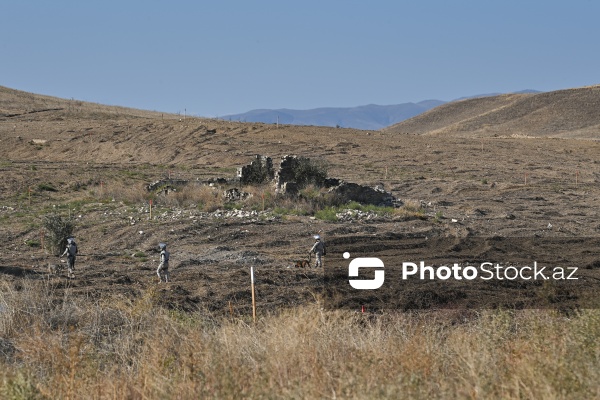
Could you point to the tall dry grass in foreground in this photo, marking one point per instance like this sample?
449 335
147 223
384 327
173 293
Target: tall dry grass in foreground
115 348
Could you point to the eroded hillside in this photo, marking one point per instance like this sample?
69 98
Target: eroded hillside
571 113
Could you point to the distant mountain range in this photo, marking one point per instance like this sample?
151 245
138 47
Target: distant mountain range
369 117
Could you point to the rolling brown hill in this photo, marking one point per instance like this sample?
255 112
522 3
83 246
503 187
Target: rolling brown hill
43 129
571 113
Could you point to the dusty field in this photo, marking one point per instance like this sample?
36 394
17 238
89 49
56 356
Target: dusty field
115 332
96 165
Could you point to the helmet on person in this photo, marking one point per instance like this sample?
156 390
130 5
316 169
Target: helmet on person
317 237
162 246
70 240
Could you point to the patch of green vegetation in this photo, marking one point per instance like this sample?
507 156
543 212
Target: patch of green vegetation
307 171
227 206
132 174
183 318
32 243
24 195
46 187
140 256
33 223
327 214
19 386
281 211
310 192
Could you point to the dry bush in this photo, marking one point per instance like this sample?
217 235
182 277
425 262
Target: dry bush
128 194
116 348
410 210
208 198
58 229
260 198
310 199
293 206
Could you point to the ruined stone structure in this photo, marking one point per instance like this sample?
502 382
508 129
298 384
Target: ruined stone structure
260 170
293 168
284 177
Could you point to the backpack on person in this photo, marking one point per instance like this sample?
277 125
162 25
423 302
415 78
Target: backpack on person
73 249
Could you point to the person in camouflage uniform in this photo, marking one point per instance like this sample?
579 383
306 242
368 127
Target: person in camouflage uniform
319 250
71 253
163 267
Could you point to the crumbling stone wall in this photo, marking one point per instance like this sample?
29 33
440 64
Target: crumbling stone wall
260 170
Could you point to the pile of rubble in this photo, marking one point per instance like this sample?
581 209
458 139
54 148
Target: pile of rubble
358 215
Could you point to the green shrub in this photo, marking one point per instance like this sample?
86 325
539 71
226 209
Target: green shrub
306 171
19 387
327 214
46 187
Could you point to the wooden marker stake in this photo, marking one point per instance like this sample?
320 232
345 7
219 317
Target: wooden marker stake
150 208
253 298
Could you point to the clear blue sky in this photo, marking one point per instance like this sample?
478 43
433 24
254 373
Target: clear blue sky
213 58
